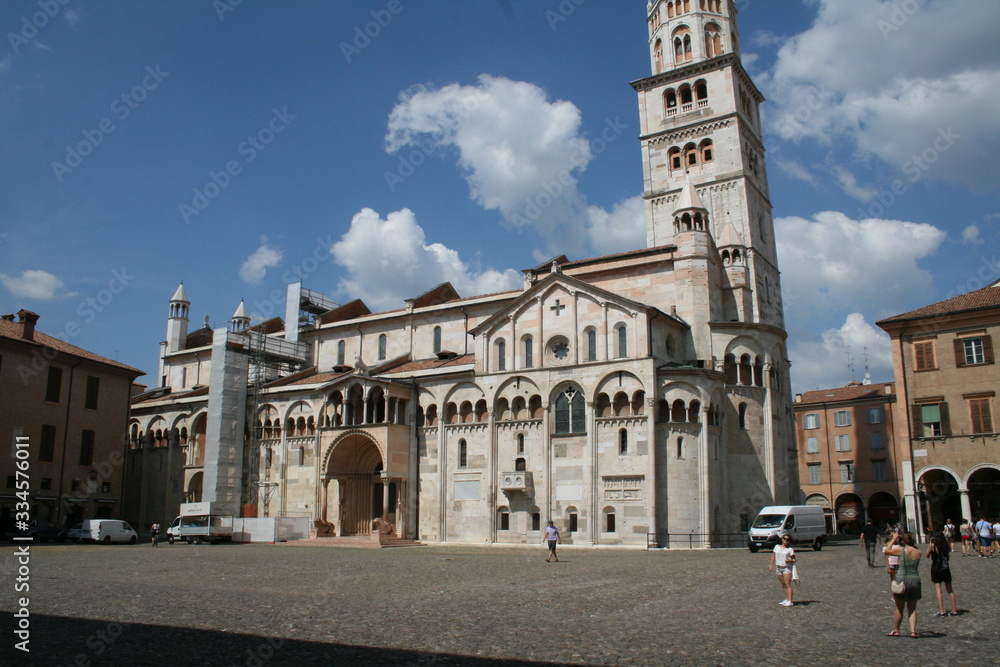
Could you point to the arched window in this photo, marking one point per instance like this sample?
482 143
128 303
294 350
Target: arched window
504 518
713 40
693 411
381 347
658 56
341 352
570 412
622 332
670 102
691 152
674 157
592 345
463 454
302 456
610 526
520 443
519 464
501 348
686 97
679 413
623 441
701 92
529 352
743 416
670 10
707 151
746 371
437 339
680 447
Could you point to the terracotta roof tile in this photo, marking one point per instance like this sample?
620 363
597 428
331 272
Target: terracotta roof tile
12 331
429 364
852 393
981 299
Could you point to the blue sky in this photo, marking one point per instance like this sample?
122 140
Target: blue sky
235 146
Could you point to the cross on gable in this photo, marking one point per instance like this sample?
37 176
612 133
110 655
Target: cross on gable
558 308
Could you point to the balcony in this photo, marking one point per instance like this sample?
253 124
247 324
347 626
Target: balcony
515 481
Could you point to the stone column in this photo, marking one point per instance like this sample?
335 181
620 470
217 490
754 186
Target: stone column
326 498
966 505
704 477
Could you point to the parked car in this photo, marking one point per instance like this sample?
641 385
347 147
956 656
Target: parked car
103 530
39 529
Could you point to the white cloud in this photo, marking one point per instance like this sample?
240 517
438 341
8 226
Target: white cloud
72 17
921 111
389 261
971 236
848 182
621 229
795 170
34 284
519 152
265 257
833 262
825 363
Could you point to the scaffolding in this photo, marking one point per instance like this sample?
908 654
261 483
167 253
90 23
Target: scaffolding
268 359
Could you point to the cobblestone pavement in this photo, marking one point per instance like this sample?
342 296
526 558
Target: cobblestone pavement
447 605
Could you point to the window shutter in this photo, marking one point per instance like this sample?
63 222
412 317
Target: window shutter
988 349
945 422
959 353
917 421
976 412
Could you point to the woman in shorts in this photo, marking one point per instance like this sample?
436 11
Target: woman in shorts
782 560
966 532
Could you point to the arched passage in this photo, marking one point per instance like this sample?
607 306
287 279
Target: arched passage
355 461
849 512
194 488
984 493
939 498
883 509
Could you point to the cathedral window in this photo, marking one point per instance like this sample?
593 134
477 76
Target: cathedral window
743 416
302 456
574 521
691 152
591 345
680 447
570 412
701 94
535 407
465 412
670 102
713 40
463 454
623 441
341 352
520 443
504 518
622 332
381 347
501 349
687 97
609 520
536 519
603 406
678 412
481 413
437 339
693 411
621 405
707 150
670 10
518 409
529 350
682 45
520 465
675 158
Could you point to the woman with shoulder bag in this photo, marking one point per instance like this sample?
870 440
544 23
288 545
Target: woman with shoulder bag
939 552
906 587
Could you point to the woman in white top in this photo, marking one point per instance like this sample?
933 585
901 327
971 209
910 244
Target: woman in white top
783 559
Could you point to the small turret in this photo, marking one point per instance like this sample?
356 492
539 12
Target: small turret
177 321
690 214
241 319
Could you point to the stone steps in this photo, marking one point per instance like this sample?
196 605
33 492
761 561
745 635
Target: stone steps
356 542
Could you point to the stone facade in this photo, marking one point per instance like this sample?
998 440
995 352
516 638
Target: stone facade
628 396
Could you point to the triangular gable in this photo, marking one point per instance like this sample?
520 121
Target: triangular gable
542 287
348 311
443 293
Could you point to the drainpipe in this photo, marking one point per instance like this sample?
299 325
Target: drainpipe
909 434
62 465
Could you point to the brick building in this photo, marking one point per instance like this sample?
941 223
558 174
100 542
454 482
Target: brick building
72 406
947 381
848 463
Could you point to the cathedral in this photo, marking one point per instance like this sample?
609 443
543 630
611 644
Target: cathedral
640 398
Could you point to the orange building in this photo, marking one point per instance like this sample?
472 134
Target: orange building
848 462
947 383
68 409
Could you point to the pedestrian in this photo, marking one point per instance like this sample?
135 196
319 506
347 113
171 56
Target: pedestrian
552 537
906 587
939 552
996 536
985 531
950 532
869 540
782 561
965 532
154 532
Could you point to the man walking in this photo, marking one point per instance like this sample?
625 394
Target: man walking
869 540
985 530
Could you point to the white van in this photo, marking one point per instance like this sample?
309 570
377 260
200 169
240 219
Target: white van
103 530
805 523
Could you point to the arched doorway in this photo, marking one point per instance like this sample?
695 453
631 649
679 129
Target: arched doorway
194 488
939 498
883 509
984 493
355 461
849 513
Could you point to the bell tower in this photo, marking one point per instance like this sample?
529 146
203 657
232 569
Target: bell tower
700 123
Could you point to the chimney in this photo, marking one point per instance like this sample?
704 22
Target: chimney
8 317
27 322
